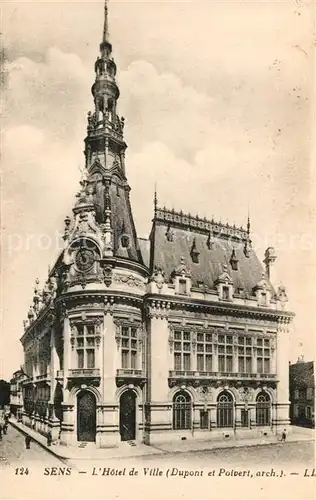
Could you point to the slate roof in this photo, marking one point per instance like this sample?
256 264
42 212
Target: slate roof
144 246
214 243
121 219
302 374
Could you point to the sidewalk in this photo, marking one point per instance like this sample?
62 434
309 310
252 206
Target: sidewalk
126 451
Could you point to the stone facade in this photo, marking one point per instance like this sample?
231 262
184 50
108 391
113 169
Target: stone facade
302 393
181 336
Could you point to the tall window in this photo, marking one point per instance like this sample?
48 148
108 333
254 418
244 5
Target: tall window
182 350
309 393
129 347
263 355
244 354
226 293
263 299
225 353
225 410
85 345
182 411
204 419
244 418
263 410
204 352
182 287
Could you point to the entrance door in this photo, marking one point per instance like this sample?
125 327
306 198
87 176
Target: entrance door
86 416
128 416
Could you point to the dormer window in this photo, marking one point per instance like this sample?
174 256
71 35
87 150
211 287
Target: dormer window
234 261
125 241
263 299
262 291
210 240
225 293
169 233
181 277
225 286
182 286
194 253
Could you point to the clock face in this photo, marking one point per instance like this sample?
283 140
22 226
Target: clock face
84 259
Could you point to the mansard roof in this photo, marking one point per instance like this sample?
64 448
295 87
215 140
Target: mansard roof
173 235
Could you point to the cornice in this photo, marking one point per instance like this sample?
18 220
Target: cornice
216 307
49 309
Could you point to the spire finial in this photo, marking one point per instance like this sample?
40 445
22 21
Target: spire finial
155 199
248 221
106 24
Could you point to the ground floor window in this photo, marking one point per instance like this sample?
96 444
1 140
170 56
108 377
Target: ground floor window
263 410
225 410
182 411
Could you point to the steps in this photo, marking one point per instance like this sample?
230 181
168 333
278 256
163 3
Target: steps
83 444
131 443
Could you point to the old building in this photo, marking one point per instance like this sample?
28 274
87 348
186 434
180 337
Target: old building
16 393
181 336
302 393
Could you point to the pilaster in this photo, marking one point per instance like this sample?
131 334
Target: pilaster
109 353
283 403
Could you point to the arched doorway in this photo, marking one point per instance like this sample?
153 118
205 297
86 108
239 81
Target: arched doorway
225 410
263 410
182 411
86 416
128 415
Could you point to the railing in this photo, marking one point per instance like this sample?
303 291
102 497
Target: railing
44 376
129 372
60 373
84 372
219 375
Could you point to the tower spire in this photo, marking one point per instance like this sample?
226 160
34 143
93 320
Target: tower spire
105 45
106 36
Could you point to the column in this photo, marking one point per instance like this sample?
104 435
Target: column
67 349
213 420
215 359
238 409
109 359
282 359
159 369
109 428
160 407
53 422
273 366
254 360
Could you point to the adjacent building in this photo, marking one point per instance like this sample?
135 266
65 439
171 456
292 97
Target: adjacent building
302 393
16 393
178 336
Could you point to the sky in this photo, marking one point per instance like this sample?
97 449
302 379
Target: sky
219 108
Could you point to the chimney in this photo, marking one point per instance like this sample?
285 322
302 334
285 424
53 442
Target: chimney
269 259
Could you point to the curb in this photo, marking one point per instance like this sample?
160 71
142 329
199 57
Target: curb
38 441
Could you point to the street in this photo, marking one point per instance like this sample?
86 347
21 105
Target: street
13 451
290 454
285 454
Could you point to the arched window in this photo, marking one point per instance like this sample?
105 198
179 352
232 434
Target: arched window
225 410
182 411
263 410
